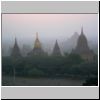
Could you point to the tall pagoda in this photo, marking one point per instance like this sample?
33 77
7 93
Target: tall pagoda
82 48
37 50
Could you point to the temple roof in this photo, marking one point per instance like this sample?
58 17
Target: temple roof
15 50
56 49
82 42
37 50
37 43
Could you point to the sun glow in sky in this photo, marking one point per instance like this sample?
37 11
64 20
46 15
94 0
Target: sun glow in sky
49 26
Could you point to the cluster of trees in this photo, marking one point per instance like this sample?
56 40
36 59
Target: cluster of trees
70 65
91 81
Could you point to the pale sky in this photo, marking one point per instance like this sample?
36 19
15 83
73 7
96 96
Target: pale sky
49 26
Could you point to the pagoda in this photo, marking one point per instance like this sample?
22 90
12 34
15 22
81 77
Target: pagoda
37 50
82 48
56 50
15 50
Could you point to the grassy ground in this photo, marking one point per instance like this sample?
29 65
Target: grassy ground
20 81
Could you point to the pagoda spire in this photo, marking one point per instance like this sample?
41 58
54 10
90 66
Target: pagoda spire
36 35
56 42
15 41
56 50
37 50
37 43
82 30
16 50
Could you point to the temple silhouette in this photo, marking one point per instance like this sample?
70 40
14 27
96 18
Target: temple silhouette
82 48
15 50
37 50
56 50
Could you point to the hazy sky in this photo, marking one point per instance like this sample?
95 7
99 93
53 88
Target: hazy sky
49 26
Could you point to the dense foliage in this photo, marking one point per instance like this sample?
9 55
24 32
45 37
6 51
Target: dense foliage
49 66
91 81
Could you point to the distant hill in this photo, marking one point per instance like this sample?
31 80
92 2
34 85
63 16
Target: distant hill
70 43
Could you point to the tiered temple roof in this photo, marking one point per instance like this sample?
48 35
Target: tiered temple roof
56 50
82 47
37 50
16 50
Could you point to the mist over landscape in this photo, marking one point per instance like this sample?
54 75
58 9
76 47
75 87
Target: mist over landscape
49 49
65 28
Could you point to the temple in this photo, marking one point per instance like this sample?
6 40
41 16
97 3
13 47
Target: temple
15 50
37 50
56 50
82 48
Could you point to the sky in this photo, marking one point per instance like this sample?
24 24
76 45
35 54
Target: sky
49 27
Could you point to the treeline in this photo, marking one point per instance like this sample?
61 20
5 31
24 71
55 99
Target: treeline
70 65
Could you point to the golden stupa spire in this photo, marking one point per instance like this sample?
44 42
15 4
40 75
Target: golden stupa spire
37 42
15 39
82 30
36 35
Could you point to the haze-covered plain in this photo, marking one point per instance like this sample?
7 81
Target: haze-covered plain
49 27
33 67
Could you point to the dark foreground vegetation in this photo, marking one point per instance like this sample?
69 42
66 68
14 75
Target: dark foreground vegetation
49 66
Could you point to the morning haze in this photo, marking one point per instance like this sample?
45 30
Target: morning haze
49 27
49 49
